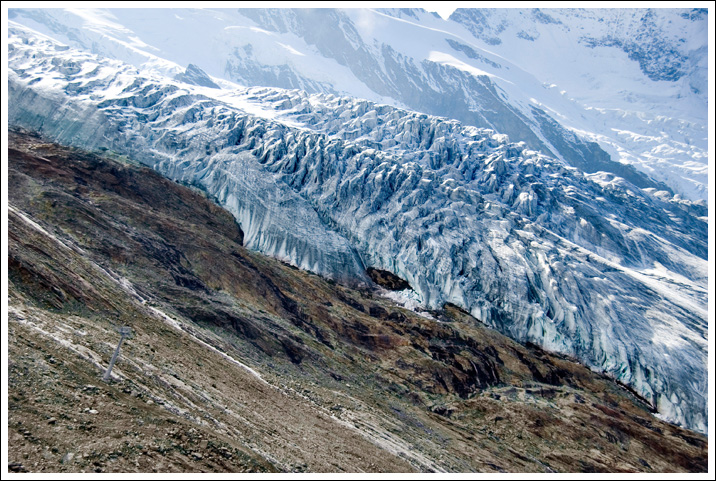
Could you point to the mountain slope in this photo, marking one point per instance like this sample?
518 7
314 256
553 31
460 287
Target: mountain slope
585 265
600 105
241 363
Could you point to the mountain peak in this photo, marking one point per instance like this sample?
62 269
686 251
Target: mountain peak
195 76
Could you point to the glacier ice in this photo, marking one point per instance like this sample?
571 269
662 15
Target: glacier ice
583 264
626 94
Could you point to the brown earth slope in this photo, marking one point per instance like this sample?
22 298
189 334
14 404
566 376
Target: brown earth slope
239 362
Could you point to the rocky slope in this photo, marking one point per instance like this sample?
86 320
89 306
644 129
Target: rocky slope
241 363
587 265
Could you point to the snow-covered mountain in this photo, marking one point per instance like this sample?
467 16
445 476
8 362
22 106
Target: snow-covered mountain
640 74
615 90
583 264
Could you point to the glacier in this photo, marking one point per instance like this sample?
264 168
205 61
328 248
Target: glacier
587 265
627 93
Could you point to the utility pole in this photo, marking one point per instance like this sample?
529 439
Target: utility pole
124 331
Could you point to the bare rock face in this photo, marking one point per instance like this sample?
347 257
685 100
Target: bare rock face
196 76
387 279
